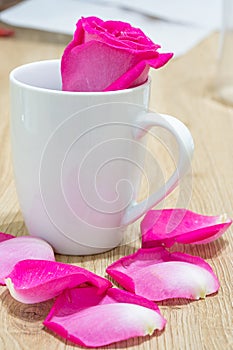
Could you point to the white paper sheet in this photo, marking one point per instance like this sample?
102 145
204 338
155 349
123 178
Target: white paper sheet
61 16
202 13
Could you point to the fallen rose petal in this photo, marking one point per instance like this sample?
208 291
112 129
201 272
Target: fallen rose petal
89 319
157 274
168 226
25 247
33 281
5 236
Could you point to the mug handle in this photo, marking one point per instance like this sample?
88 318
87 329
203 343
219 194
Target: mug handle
186 147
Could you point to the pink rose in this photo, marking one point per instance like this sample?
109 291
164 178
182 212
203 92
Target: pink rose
105 56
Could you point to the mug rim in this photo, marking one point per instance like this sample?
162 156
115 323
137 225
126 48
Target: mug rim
31 87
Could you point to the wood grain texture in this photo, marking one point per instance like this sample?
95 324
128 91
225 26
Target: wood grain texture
184 89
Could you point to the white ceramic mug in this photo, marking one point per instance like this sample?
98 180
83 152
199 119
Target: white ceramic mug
78 157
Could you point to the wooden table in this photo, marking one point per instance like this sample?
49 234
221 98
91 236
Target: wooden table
183 88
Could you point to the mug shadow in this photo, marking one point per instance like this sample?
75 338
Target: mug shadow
109 256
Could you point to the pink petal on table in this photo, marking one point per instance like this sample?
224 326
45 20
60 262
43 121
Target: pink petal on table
33 281
89 319
25 247
168 226
157 274
5 236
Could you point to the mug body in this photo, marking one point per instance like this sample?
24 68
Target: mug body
76 161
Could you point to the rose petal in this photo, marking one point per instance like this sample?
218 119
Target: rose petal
33 281
116 33
157 274
138 74
165 227
20 248
85 318
5 236
90 67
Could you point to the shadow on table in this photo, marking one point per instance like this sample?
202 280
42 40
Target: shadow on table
25 312
204 251
109 256
132 343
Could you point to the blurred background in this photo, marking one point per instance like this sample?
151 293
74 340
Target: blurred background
177 24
